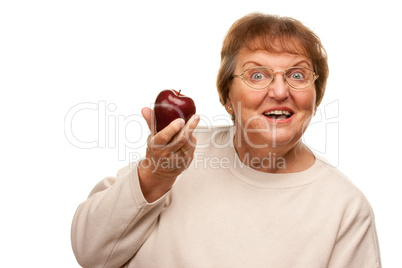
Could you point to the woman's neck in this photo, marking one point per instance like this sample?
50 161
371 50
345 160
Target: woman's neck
276 159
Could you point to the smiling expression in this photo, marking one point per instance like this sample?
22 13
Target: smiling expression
276 115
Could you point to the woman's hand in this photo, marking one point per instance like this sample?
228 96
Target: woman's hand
169 153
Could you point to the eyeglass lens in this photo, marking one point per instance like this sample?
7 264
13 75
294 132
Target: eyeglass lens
261 77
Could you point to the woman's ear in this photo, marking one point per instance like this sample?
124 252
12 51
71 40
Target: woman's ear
229 107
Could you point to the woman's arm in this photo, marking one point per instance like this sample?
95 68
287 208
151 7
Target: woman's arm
356 243
117 218
112 224
169 153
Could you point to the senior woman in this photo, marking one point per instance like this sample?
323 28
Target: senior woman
247 195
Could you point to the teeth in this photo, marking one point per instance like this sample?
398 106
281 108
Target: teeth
278 112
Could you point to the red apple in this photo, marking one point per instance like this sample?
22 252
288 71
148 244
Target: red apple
170 105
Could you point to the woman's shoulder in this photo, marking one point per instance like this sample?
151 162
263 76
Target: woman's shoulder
340 188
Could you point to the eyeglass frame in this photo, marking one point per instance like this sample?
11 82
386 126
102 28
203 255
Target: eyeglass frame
315 76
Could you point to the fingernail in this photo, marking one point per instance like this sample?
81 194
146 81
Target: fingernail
181 122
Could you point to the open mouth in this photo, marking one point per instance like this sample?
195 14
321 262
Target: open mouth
278 115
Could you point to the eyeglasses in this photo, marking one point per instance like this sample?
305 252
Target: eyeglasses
261 77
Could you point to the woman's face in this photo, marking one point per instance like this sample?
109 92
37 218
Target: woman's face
277 115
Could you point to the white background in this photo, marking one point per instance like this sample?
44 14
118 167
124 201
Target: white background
55 55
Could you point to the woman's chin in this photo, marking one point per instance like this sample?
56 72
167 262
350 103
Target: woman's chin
281 140
263 135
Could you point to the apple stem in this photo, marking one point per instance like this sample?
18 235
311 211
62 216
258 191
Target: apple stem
179 92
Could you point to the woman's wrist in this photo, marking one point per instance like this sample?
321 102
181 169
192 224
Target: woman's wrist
153 184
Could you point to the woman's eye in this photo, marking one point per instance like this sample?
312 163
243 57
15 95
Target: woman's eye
297 76
258 76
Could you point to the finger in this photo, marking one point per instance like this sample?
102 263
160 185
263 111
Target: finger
185 135
189 127
192 123
148 115
164 136
191 143
188 148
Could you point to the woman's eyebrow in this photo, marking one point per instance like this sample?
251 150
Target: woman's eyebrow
253 62
292 65
303 61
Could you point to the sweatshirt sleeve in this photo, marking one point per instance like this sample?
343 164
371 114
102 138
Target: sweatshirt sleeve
112 224
356 243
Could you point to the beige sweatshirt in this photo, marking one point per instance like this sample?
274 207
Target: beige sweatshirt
221 213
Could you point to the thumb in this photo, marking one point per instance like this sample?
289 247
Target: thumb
149 117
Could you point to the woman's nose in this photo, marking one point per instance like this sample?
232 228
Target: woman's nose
278 89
